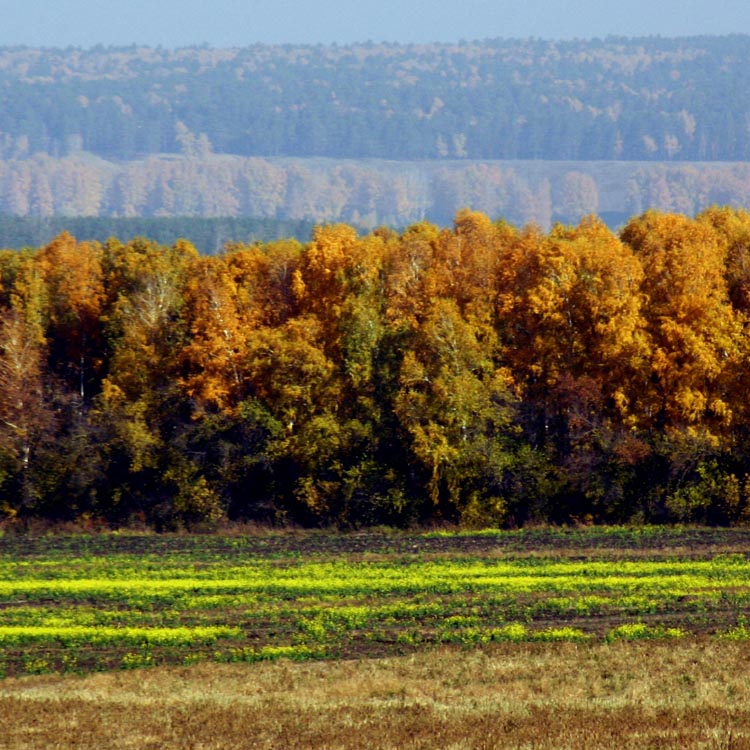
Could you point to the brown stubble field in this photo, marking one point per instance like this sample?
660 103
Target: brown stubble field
687 695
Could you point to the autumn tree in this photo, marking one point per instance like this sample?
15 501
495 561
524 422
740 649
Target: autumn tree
73 275
570 304
140 404
686 397
733 229
408 298
334 440
455 405
216 350
294 395
570 316
26 418
264 280
692 327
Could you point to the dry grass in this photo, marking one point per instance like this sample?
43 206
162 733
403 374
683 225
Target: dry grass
686 695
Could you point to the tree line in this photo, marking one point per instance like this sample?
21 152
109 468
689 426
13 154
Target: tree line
208 234
289 193
479 374
634 99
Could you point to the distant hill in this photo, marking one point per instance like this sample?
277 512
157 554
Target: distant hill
649 99
531 131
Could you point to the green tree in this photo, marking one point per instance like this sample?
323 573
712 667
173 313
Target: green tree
455 404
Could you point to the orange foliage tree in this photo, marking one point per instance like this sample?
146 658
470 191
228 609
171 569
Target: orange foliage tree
478 373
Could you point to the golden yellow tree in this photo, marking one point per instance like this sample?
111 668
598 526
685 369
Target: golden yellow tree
407 294
570 307
693 329
216 350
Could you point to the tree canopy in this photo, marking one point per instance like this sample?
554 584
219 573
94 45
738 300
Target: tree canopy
478 374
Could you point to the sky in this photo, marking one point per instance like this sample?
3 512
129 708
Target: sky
227 23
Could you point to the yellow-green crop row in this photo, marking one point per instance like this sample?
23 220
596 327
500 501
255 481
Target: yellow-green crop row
347 579
11 635
128 610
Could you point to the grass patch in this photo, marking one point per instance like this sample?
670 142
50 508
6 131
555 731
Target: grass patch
625 695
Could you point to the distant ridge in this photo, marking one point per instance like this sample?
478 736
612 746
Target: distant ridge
653 98
370 134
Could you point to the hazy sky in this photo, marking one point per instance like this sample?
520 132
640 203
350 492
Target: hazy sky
219 23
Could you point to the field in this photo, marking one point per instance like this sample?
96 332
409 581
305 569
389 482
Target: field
541 638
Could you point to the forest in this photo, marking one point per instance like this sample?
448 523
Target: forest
653 98
207 234
288 193
375 134
482 374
